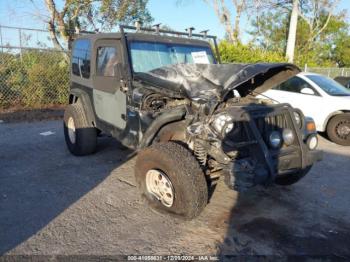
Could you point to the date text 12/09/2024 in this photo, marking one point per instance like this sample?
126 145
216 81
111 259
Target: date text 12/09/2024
172 258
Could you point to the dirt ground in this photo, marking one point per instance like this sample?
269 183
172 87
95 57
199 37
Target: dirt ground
18 114
56 204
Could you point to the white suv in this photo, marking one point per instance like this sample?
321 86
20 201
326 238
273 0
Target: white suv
321 98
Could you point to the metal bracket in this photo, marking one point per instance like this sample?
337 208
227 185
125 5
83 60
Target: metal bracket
138 25
205 33
189 30
157 26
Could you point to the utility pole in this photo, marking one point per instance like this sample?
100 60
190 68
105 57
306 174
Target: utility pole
292 32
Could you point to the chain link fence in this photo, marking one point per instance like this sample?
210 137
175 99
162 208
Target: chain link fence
33 78
331 72
32 73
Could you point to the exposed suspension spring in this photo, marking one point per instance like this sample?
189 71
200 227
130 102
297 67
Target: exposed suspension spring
201 153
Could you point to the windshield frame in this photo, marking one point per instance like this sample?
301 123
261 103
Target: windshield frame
312 77
168 40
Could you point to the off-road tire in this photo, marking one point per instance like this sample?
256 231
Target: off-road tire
85 133
286 180
332 126
182 169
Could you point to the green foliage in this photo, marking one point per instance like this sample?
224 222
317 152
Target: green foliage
342 51
33 79
239 53
270 31
127 11
102 15
329 48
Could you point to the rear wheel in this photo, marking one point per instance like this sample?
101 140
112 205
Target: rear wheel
289 179
171 180
338 129
80 136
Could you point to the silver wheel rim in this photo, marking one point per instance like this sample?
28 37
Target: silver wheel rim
160 186
71 130
343 129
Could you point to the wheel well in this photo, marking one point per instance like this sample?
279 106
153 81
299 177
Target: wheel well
172 131
161 122
339 112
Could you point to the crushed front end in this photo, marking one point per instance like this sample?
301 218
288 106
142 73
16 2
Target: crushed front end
232 132
253 143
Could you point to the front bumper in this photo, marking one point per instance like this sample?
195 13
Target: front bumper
263 163
291 159
243 174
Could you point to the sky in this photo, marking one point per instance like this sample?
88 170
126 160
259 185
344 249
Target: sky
196 13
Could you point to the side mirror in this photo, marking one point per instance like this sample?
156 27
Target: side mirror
307 91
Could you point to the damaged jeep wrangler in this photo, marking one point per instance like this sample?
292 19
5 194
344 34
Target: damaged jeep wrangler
190 118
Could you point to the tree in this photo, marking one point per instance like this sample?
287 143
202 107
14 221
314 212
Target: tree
316 42
232 27
315 13
292 32
342 51
339 43
77 15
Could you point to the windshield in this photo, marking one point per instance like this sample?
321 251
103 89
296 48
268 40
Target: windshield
330 86
146 56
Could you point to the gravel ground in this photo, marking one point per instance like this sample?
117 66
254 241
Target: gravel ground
54 203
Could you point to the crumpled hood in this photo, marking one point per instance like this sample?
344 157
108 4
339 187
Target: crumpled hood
214 81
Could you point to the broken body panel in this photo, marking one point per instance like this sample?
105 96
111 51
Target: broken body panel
214 81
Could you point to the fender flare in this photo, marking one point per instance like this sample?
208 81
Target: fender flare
157 125
76 95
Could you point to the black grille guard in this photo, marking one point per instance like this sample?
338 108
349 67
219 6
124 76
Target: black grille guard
249 114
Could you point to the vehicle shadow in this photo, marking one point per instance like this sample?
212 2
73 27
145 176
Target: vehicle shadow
305 219
276 220
39 179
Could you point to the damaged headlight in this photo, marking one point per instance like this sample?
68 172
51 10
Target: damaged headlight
222 124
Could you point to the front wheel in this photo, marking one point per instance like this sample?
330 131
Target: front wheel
171 180
338 129
289 179
80 136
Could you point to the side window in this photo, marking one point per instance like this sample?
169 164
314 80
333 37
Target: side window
106 60
295 85
81 58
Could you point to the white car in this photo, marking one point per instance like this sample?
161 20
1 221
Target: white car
321 98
